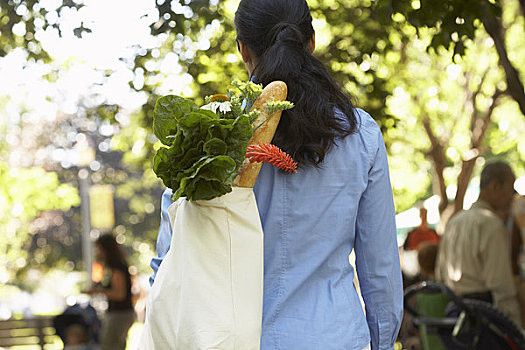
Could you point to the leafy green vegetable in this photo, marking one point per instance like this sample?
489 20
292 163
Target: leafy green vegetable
168 110
205 145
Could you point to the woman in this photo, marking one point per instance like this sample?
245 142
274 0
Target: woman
116 286
340 200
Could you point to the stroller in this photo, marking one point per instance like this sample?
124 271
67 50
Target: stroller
83 317
459 323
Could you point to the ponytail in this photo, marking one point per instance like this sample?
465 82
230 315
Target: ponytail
279 32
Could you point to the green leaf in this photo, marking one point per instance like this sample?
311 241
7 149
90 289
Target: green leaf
207 179
215 147
168 110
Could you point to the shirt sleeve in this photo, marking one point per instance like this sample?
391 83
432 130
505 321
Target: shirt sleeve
377 257
165 232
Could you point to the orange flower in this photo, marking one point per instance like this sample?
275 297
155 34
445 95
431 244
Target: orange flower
267 153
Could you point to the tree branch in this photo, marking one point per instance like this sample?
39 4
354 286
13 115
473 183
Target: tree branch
467 168
480 125
478 90
514 85
438 156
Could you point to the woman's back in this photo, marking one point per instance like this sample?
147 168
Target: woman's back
126 303
339 201
312 221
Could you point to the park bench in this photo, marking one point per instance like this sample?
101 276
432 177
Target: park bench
37 330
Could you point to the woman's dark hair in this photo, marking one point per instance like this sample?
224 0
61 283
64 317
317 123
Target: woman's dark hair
114 256
278 33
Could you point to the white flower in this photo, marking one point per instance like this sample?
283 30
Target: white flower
223 107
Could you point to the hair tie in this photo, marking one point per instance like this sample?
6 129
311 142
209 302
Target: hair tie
285 31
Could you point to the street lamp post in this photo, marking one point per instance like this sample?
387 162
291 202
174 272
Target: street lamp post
86 155
87 250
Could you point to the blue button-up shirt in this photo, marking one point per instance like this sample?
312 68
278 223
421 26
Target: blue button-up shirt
312 221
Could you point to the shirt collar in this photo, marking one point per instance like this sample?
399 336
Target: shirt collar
481 204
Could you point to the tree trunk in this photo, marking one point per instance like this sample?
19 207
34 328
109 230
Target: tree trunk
514 85
467 168
438 156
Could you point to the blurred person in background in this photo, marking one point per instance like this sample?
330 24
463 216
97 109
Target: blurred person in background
474 257
77 338
116 287
426 258
421 233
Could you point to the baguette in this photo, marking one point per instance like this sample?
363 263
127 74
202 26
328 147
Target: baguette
275 91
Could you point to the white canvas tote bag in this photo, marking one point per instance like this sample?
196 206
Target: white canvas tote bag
208 290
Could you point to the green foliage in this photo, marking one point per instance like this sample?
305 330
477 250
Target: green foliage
455 99
22 20
455 21
24 194
205 149
455 24
273 107
351 36
244 93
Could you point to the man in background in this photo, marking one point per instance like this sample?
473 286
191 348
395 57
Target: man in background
474 255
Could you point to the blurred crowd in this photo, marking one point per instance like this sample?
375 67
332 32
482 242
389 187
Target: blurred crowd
479 256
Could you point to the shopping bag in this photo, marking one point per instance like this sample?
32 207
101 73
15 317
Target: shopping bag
208 290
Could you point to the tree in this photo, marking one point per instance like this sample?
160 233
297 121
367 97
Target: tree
458 107
54 232
377 56
24 194
456 22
